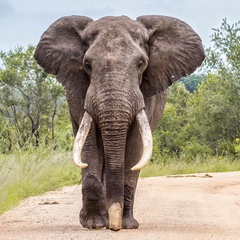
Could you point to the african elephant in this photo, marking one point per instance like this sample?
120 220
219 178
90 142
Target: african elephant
116 71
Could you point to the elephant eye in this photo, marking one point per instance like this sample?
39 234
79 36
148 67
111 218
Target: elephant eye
140 64
87 66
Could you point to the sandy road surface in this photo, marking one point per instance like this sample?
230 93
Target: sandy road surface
189 207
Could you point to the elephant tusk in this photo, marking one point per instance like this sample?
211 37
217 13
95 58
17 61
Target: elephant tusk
146 135
80 140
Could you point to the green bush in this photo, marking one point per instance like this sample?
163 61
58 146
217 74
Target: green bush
237 147
194 149
226 148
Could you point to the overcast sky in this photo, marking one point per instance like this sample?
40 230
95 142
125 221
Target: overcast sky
23 21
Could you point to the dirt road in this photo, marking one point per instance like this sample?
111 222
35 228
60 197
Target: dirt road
184 207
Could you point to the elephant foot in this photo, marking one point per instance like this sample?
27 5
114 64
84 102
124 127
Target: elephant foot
93 214
130 223
93 220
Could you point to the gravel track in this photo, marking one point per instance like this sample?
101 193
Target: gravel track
196 206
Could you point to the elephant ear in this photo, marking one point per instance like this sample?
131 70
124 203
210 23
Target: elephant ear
60 52
175 50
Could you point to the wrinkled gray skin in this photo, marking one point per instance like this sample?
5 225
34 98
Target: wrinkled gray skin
112 68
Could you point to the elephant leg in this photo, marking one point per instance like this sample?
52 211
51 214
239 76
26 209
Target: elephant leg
93 214
133 154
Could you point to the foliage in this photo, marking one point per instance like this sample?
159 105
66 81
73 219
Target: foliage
223 57
217 112
31 102
191 82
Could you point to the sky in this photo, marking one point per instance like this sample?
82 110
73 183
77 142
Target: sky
22 22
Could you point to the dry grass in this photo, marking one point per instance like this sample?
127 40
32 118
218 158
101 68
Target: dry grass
30 173
176 166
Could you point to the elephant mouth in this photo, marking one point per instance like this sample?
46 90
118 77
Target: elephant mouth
144 129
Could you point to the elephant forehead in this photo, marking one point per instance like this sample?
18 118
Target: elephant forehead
115 27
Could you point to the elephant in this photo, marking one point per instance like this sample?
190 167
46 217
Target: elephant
116 72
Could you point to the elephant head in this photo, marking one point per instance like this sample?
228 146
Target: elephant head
115 64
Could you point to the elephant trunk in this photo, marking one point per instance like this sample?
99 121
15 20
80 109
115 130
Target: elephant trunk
114 120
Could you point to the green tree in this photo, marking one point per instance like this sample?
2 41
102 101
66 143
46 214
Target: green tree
223 56
223 59
192 81
167 136
213 111
29 98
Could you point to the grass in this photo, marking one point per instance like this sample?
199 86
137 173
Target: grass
181 166
33 172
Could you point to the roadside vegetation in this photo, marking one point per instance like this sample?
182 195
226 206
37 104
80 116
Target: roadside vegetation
199 131
33 172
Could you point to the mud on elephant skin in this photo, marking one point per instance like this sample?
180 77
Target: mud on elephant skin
116 71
